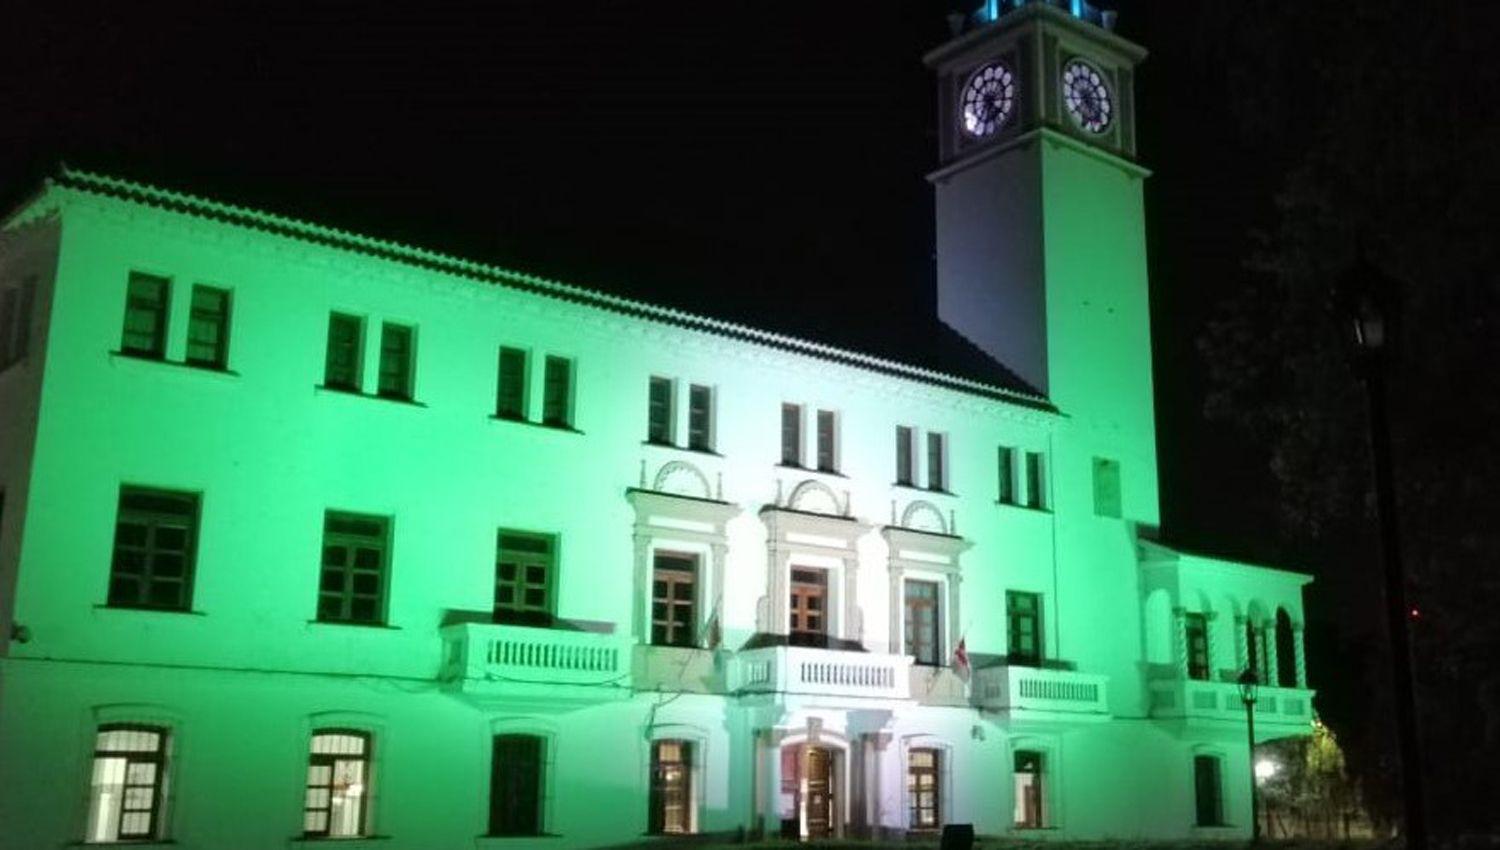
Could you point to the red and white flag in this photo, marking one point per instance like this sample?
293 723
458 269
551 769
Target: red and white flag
960 662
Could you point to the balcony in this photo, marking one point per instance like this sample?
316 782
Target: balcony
522 662
807 671
1279 711
1039 690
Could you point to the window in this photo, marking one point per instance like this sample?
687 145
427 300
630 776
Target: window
125 791
395 361
922 788
146 316
1197 645
1007 479
208 328
906 473
937 467
510 399
673 599
524 567
516 785
345 349
1036 483
671 788
557 392
1207 791
1024 615
828 455
809 617
16 305
1253 652
923 623
1106 487
701 418
659 412
1286 651
338 784
352 585
155 544
1030 795
791 434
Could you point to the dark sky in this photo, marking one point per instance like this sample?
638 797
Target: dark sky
761 161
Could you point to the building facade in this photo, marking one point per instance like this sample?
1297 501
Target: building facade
305 535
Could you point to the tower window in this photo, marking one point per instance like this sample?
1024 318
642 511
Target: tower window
701 418
791 434
1024 620
906 473
557 392
208 328
145 333
1196 625
1007 473
923 788
671 788
937 461
516 782
659 412
126 788
156 535
674 598
510 398
1036 481
828 450
342 366
525 568
1030 793
1208 791
338 784
1106 487
351 588
396 361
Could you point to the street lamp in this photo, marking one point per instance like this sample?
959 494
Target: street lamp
1249 686
1367 298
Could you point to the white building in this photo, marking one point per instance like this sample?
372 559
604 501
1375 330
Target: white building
307 535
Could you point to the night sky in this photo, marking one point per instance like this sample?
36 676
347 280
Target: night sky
758 161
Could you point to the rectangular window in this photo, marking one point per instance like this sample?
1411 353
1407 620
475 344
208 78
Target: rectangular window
156 535
1030 795
1207 791
516 785
396 361
1106 487
1024 618
130 763
146 316
671 788
338 784
1036 482
557 392
659 410
524 568
791 434
937 467
922 788
208 328
346 344
1007 471
809 608
701 418
923 622
674 599
510 398
351 588
828 451
906 473
1197 645
16 306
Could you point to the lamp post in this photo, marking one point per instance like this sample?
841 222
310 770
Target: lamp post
1368 300
1249 686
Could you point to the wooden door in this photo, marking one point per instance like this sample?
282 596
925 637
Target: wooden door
809 608
820 806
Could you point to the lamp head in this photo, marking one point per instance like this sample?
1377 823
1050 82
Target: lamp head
1249 686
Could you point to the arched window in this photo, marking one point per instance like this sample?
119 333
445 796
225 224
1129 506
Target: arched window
1252 650
338 784
125 793
1286 658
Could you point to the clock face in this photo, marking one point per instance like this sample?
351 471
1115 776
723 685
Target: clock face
1086 96
988 100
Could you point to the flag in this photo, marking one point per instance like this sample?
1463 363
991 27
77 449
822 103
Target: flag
960 663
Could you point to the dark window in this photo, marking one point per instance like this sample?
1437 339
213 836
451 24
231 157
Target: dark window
1029 791
1106 487
1197 645
659 412
125 790
338 784
395 361
208 328
701 418
906 473
146 316
1007 479
1024 616
516 785
524 567
345 352
510 399
673 599
923 622
791 434
671 788
922 788
557 392
809 608
828 455
1207 792
1286 651
16 306
156 535
352 586
1253 653
937 468
1036 483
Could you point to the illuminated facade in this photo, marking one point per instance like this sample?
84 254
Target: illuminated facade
306 535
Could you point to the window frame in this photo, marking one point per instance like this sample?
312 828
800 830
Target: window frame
518 611
366 758
356 349
909 642
702 428
397 362
792 438
1014 620
162 316
516 389
347 595
914 775
147 578
906 461
1039 771
1216 801
553 398
1036 479
804 636
675 577
220 321
661 430
937 461
158 757
500 801
658 792
1195 637
1008 493
828 442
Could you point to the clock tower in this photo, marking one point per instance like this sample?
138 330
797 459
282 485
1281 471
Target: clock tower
1041 257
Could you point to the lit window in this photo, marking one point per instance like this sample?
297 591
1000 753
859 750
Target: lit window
671 788
1207 791
145 332
791 434
352 585
155 547
557 392
1030 795
828 454
923 789
1196 626
906 473
659 412
923 623
395 361
524 567
510 398
1007 479
1036 482
937 467
1106 487
516 777
126 789
345 352
674 599
1024 618
700 418
208 328
338 785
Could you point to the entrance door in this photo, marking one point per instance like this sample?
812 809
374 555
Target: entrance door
819 793
808 608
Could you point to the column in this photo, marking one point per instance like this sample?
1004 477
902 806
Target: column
1241 647
896 607
717 553
853 626
1209 619
771 813
955 615
641 608
880 743
1297 652
1268 657
1179 641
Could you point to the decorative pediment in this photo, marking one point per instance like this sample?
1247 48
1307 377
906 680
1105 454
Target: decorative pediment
680 478
922 515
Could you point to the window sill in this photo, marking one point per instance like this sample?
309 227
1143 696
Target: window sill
562 429
146 609
181 366
128 842
324 389
350 841
1031 509
511 840
929 490
677 448
799 468
357 625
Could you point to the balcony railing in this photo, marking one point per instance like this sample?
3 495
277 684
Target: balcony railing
1195 698
1009 687
498 657
821 672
